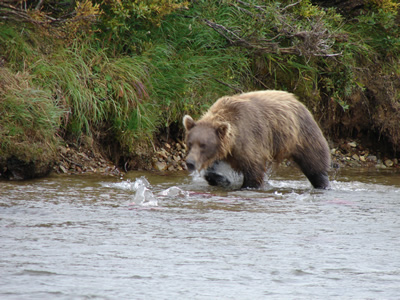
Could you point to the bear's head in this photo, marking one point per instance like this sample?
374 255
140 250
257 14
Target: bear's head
205 142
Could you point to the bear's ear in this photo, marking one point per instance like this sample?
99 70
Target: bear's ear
223 130
188 122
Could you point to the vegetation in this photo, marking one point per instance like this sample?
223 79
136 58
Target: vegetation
125 71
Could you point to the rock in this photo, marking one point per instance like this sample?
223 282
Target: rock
362 158
162 153
63 169
178 147
352 144
160 165
333 151
83 155
388 163
396 161
372 158
355 157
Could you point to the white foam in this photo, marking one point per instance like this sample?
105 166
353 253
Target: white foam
174 192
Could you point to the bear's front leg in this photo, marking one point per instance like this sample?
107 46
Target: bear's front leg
214 177
253 177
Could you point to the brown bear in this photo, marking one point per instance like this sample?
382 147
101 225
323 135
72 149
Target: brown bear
250 131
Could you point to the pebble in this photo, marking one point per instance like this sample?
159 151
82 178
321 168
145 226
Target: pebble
162 153
160 165
63 169
352 144
388 163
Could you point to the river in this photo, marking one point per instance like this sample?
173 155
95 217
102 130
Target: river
149 236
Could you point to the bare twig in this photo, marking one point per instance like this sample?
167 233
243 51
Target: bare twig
290 5
251 5
39 5
237 90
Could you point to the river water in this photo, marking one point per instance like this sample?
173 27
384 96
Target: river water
148 236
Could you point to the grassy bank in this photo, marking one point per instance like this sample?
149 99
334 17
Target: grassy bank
125 72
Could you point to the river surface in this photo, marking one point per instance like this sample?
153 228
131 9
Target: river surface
148 236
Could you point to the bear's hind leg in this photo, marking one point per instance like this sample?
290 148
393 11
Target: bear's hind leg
319 181
316 173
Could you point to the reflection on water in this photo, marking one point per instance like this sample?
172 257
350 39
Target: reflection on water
151 236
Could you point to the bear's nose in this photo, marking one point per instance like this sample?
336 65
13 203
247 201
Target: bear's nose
190 165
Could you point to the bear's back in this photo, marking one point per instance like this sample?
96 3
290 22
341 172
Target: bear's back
259 105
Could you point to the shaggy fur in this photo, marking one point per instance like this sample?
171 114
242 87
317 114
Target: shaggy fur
251 130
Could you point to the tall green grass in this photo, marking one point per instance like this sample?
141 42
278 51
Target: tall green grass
29 119
97 90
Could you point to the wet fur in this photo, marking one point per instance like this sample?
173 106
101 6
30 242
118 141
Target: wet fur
256 128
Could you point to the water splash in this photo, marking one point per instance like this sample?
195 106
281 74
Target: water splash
143 196
174 192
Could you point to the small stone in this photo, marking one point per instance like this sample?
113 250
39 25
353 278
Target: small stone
372 158
160 166
63 169
171 168
396 161
333 151
352 144
388 163
162 153
178 146
168 146
355 157
176 157
83 155
362 158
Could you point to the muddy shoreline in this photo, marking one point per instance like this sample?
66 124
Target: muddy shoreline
170 157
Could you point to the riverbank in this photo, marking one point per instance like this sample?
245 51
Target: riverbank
170 157
124 77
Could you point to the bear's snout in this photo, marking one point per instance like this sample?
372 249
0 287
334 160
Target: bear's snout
191 165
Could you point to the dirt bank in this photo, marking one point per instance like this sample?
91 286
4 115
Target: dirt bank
169 157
